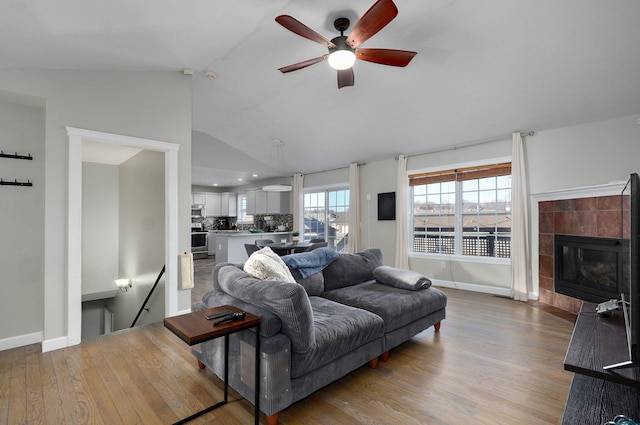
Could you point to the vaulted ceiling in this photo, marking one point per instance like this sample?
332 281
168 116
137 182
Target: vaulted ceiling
483 68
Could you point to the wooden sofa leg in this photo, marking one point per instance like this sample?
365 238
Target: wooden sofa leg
437 326
200 365
273 419
373 363
385 356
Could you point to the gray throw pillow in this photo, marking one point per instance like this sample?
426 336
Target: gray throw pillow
401 278
351 269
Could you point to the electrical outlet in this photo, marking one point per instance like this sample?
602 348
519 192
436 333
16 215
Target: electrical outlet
443 265
368 196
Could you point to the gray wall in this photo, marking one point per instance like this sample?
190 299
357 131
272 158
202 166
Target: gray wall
141 236
100 223
22 124
153 105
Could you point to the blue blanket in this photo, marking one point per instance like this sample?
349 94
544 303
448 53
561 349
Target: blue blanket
308 263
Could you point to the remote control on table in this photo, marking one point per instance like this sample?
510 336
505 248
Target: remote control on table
230 318
221 314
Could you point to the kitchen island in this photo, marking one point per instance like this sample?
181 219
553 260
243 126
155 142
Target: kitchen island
230 244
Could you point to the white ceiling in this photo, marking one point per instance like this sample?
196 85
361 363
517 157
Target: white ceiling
483 69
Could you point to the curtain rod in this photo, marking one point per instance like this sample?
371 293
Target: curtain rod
474 143
330 169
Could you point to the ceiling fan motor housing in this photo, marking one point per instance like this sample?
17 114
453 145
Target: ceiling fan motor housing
341 44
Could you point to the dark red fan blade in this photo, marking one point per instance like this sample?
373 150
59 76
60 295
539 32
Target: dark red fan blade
297 27
385 56
376 18
303 64
345 78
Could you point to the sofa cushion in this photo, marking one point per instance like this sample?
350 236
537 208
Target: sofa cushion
314 284
339 330
351 269
401 278
287 300
397 307
267 265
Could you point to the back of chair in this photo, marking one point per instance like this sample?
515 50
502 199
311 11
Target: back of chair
316 246
251 248
263 242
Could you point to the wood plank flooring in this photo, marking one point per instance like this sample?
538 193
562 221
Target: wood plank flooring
495 361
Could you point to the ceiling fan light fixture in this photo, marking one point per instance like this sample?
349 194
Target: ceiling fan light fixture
342 59
342 55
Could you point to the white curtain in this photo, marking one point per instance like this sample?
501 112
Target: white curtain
353 243
520 262
402 256
298 195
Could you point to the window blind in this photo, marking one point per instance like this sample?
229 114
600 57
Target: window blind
461 174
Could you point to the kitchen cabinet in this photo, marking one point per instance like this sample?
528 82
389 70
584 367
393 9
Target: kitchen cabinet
250 197
217 204
212 206
229 204
211 243
197 198
261 202
278 203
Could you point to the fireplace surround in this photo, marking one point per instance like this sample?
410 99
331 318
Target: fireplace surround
597 217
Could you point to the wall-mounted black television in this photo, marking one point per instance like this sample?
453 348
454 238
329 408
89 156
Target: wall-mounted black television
387 206
630 296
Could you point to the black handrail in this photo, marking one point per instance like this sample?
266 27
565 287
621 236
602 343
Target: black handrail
148 296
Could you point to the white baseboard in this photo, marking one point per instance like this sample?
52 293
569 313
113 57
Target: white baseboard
20 341
503 292
55 344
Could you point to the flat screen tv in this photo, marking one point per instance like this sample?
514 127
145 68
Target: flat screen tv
630 296
387 206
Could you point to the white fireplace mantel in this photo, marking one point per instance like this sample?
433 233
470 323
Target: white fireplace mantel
608 189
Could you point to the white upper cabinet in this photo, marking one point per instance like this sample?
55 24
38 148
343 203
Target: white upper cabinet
261 202
217 204
212 206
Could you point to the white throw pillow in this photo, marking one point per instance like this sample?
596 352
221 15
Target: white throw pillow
267 265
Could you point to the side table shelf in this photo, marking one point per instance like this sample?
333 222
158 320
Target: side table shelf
596 395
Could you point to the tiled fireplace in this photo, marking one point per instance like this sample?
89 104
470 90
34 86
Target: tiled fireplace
594 217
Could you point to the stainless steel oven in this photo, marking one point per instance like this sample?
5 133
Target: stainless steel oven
199 240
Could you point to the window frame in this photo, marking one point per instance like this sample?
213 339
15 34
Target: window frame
457 218
326 189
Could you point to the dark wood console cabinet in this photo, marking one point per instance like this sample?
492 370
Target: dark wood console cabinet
596 395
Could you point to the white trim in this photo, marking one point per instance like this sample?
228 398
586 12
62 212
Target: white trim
20 340
501 261
608 189
504 292
74 219
55 344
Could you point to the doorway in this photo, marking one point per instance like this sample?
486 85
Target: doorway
74 216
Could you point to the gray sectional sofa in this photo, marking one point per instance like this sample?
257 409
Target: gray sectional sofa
319 329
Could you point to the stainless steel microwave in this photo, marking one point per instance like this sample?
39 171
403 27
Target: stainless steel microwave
197 210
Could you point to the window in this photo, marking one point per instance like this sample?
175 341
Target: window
463 212
243 217
326 216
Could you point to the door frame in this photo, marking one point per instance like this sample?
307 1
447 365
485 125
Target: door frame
74 220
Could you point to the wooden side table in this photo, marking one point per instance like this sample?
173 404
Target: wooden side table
194 328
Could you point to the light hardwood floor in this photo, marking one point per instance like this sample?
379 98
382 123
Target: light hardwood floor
495 361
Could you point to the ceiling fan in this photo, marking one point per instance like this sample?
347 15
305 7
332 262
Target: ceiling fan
343 50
